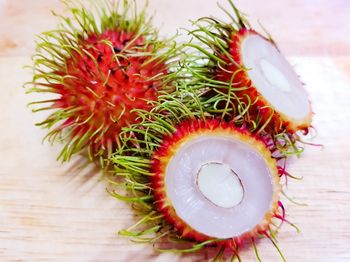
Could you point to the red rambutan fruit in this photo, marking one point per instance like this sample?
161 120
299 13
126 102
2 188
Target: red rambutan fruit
247 69
214 181
198 179
99 68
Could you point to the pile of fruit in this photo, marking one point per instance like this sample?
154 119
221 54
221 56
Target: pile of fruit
194 135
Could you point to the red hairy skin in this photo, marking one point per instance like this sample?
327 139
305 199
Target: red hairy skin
184 132
104 94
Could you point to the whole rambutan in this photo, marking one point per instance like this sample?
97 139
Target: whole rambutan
99 65
245 74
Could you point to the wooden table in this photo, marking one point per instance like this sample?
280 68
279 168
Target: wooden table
54 212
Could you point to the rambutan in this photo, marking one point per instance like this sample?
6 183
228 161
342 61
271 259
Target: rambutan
196 178
99 66
212 180
242 67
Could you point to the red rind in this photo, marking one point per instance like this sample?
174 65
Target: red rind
187 131
102 83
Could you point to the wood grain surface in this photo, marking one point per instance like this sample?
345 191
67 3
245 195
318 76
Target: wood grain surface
55 212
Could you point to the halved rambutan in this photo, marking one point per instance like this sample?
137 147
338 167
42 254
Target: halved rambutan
214 181
249 70
196 178
99 68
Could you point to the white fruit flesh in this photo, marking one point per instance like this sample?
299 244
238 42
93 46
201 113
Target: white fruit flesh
218 216
219 184
274 78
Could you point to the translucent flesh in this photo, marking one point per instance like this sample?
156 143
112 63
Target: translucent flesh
199 212
274 77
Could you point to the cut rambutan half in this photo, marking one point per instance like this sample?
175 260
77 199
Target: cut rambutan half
273 84
214 181
197 181
249 70
99 68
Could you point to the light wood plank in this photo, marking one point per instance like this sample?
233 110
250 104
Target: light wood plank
53 212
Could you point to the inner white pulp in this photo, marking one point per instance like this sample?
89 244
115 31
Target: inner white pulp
274 77
204 208
219 184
